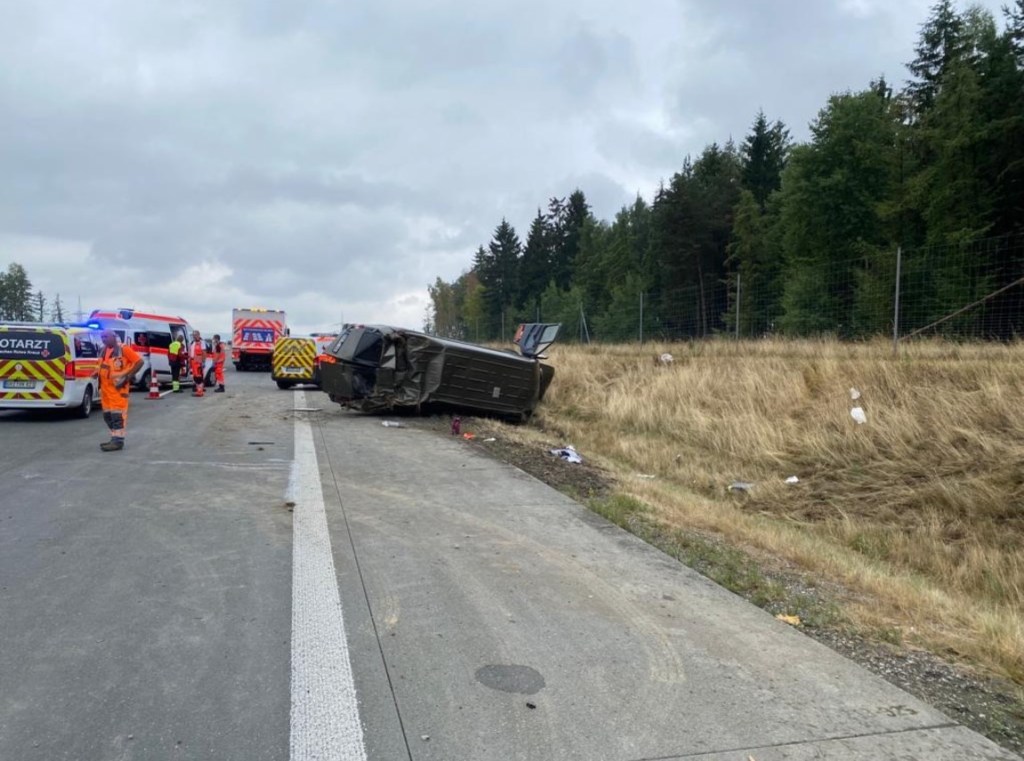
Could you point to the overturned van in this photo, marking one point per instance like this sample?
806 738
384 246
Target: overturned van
374 368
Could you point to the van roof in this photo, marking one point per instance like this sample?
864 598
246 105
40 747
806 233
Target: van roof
130 314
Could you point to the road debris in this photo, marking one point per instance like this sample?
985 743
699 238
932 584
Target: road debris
569 454
469 436
792 480
392 424
456 426
791 620
743 486
854 394
646 476
488 441
858 415
666 359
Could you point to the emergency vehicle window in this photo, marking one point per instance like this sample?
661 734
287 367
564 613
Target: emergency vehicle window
158 340
23 344
85 348
141 339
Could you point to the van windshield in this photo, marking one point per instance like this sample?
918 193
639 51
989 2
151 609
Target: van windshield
31 345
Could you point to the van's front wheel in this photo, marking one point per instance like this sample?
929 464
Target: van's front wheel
85 408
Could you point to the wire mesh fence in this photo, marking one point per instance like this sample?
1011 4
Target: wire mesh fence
965 291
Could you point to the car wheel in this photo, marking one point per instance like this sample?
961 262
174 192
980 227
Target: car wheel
284 385
85 408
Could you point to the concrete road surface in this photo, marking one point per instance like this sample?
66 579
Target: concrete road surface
261 575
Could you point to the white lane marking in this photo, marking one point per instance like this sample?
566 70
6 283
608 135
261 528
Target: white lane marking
325 712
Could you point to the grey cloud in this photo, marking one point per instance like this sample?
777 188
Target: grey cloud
335 152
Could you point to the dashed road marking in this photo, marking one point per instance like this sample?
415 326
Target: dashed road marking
324 710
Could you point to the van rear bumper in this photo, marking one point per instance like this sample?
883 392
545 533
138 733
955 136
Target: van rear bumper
73 395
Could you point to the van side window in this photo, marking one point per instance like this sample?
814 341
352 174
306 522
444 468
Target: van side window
85 348
159 340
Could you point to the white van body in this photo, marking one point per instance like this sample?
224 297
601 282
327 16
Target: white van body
49 366
150 335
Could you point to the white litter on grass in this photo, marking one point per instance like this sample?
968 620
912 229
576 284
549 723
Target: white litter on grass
854 394
569 454
792 480
744 486
646 476
666 359
488 441
392 424
857 413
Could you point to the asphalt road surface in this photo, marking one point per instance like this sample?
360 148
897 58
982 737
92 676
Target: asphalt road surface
261 575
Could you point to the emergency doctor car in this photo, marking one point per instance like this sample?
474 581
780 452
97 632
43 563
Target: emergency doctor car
49 367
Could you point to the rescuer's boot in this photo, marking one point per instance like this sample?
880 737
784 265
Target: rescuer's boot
219 389
114 445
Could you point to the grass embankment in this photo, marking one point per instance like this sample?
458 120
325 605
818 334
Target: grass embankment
918 513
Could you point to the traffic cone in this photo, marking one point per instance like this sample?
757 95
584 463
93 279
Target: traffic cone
154 387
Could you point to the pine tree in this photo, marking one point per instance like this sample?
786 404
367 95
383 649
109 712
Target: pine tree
497 266
535 270
57 312
574 216
40 305
764 154
1014 16
939 46
17 301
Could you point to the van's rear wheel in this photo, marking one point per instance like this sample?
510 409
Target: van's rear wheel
284 385
85 408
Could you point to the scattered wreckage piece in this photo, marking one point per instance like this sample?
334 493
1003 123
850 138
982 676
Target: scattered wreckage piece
378 368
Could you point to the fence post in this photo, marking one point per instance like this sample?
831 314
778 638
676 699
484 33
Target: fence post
739 276
896 305
641 318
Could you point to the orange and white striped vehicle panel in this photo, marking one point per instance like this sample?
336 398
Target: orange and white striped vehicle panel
256 335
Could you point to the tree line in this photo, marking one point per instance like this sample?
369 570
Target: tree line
20 303
773 236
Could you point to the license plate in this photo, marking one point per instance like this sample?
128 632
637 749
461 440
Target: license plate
20 384
294 370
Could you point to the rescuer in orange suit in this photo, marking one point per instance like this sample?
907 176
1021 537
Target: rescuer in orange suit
117 368
218 363
198 364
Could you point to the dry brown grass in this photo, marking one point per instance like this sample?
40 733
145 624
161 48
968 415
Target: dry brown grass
919 512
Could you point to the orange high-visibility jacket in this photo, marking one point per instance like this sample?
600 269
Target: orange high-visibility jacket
115 362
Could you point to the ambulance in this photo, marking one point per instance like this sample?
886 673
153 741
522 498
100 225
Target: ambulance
49 367
296 359
150 335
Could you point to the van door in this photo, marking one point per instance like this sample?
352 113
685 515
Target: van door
159 342
533 339
33 362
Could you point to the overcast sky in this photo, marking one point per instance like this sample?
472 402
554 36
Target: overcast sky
332 157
